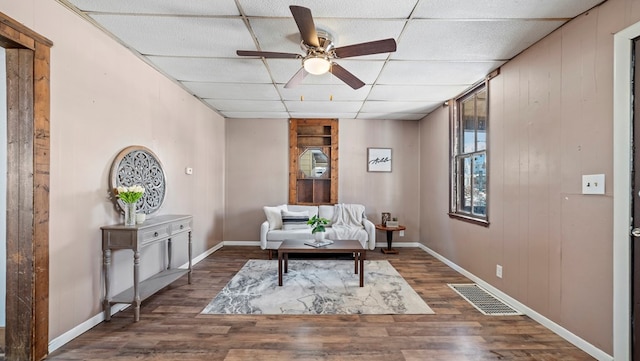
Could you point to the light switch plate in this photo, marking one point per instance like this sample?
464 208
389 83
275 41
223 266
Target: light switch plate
593 184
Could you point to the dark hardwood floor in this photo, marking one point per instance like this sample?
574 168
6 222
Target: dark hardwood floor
171 327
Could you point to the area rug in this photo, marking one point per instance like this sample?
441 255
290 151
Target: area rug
317 287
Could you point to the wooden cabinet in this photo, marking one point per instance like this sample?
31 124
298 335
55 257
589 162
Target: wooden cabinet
313 161
135 238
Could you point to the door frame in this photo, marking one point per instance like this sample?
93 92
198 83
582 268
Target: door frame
622 120
28 165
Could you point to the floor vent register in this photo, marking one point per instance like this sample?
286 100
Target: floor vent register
482 300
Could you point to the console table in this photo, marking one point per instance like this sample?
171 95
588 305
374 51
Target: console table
154 230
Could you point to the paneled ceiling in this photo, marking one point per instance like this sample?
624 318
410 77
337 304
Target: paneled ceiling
443 47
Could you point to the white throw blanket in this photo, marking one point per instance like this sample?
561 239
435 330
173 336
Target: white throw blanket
347 222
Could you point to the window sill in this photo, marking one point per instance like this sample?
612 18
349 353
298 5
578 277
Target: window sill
465 218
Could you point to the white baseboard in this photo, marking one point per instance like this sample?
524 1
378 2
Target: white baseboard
397 244
61 340
203 255
559 330
242 243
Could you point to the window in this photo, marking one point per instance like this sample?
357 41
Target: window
469 185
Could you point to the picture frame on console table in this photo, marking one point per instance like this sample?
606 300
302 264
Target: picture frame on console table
379 160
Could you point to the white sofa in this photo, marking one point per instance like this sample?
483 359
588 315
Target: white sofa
346 221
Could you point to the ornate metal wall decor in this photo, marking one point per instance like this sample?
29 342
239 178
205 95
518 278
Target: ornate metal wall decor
139 165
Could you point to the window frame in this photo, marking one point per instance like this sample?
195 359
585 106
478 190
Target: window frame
458 155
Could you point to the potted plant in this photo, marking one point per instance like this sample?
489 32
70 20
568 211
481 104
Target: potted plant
317 227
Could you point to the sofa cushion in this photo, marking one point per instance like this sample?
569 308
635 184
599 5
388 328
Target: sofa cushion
359 234
274 216
295 220
297 234
313 210
325 211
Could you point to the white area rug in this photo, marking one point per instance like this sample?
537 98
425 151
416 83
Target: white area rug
317 287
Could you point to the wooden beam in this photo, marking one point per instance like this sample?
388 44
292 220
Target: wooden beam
13 32
19 203
28 144
41 165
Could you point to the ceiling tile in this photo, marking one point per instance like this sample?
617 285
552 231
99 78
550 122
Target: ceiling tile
256 115
398 106
392 116
179 36
218 7
472 9
470 40
233 91
323 115
213 69
435 73
320 107
320 92
246 105
429 93
332 8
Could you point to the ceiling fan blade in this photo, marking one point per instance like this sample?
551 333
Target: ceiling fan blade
372 47
268 54
307 28
342 74
297 78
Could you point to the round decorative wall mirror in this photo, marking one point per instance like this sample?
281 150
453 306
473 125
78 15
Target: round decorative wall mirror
138 165
314 163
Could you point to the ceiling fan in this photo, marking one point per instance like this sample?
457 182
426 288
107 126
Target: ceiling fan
321 52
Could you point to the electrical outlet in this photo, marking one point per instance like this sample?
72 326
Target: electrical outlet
499 271
188 170
593 184
401 233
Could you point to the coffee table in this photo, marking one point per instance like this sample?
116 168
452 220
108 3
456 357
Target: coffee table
341 246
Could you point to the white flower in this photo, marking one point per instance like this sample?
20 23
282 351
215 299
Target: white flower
136 189
130 194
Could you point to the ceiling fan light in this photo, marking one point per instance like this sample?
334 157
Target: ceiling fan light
317 66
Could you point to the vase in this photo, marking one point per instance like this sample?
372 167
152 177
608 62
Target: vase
318 236
129 214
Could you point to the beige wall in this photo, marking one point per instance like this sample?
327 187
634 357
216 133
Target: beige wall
396 192
257 172
103 99
550 123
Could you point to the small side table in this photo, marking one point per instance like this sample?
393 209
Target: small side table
390 231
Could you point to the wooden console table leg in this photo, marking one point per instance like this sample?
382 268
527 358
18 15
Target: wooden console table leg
136 291
190 246
168 253
106 304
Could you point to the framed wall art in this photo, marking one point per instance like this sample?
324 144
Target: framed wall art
378 159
